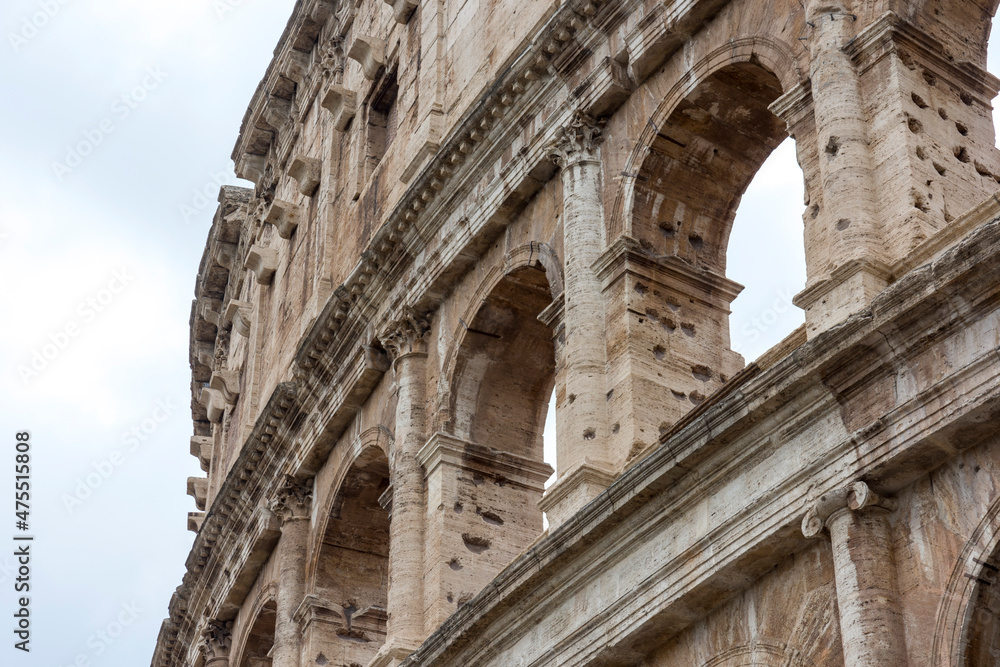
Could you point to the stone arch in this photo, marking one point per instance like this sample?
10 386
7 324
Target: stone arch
960 627
254 640
769 54
345 618
760 653
508 301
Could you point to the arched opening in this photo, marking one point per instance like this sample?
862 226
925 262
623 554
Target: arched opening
260 640
982 636
699 160
347 621
505 368
486 472
766 253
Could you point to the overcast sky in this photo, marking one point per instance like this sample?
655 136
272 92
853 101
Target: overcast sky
117 116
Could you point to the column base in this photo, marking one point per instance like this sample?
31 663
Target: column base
573 491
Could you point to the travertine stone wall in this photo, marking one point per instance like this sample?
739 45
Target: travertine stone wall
459 210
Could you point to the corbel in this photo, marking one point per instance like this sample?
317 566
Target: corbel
251 167
296 65
284 216
214 402
201 448
402 9
369 52
263 262
342 103
227 382
239 313
277 112
195 519
197 488
306 172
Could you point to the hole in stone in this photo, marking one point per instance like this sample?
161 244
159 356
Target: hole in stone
696 242
930 78
673 304
667 230
679 395
962 129
688 329
701 373
664 427
966 99
833 146
843 224
458 508
660 352
942 113
961 154
814 211
589 434
723 378
478 479
653 315
916 127
921 153
475 544
919 101
572 397
450 598
489 517
981 169
454 564
616 427
697 397
321 660
607 396
919 201
938 168
641 289
669 324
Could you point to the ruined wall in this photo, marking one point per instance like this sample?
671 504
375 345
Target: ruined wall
462 209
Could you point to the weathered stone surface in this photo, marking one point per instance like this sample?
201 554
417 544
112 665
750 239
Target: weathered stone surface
461 210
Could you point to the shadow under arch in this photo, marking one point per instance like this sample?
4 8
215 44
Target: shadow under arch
771 55
254 642
500 331
964 631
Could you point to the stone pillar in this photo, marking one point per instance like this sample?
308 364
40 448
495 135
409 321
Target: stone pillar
406 343
871 621
216 642
482 513
582 459
849 268
293 506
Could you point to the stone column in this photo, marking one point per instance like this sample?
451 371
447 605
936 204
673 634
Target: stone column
851 269
293 505
581 393
216 641
406 343
871 622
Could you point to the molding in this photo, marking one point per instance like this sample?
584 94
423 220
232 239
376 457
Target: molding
447 450
240 313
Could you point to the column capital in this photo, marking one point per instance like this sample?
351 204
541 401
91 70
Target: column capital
576 142
407 335
293 501
856 497
216 640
